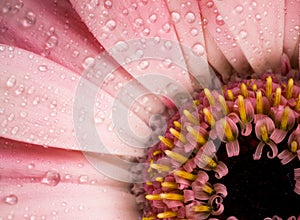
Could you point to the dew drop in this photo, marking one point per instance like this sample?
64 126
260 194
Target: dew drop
11 199
6 8
43 68
194 32
11 81
219 20
258 17
121 46
198 49
243 34
111 24
108 4
167 63
88 62
51 178
20 89
28 20
209 4
143 64
83 179
190 17
15 130
239 9
168 45
175 17
153 18
52 41
166 27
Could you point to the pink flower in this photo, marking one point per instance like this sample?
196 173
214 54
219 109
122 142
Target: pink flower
75 70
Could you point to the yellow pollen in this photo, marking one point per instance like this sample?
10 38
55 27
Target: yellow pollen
264 133
206 188
196 103
209 161
277 98
172 196
190 117
285 118
202 208
149 183
196 135
269 87
227 130
209 96
157 152
160 167
259 103
177 124
244 90
224 106
170 185
178 135
294 147
242 109
297 107
166 141
209 117
254 87
168 214
176 156
185 175
289 89
159 179
230 95
148 218
153 197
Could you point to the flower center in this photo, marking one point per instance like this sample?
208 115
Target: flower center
225 155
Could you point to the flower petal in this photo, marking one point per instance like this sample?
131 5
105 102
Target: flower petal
39 101
258 28
39 182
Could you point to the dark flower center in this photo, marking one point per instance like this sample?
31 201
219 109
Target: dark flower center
228 155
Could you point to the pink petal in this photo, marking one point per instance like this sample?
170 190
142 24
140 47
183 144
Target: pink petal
278 135
221 170
233 148
38 106
273 148
258 151
264 121
248 20
286 156
223 37
121 27
246 131
220 189
54 183
52 29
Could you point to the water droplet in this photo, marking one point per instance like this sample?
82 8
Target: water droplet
28 20
121 46
138 22
31 166
209 4
20 89
168 45
83 179
190 17
111 24
6 8
258 17
43 68
166 27
175 17
52 41
167 63
143 64
11 81
108 4
99 117
243 34
51 178
15 130
239 9
219 20
153 18
198 49
11 199
88 62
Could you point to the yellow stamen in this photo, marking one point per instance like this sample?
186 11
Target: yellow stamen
277 98
159 179
168 214
227 130
157 152
153 197
148 218
242 109
196 103
209 117
209 161
170 185
294 147
209 96
190 117
289 90
230 95
178 135
185 175
206 188
259 103
196 135
149 183
254 87
177 124
160 167
269 87
244 90
172 196
297 107
202 208
264 133
166 142
285 118
224 106
176 156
